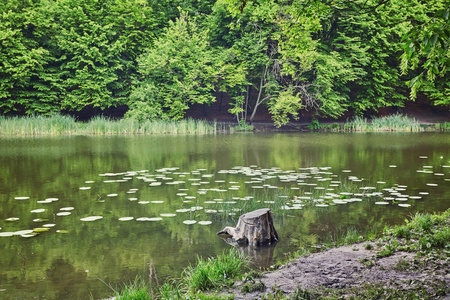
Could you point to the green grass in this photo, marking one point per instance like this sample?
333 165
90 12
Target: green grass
136 290
66 125
396 122
215 273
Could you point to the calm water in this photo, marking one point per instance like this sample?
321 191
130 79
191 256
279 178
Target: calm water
142 176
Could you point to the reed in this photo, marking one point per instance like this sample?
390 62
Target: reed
214 273
100 125
38 125
396 122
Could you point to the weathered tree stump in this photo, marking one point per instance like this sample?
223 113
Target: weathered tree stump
254 228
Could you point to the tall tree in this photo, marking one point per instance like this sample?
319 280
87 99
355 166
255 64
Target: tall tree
178 71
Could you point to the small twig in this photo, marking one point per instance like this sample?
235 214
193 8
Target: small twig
108 285
24 261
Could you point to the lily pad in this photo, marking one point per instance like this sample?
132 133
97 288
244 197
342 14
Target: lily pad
41 229
39 210
404 205
112 195
49 225
62 231
126 218
85 188
21 232
189 222
69 208
168 215
12 219
39 220
21 198
91 218
6 234
382 203
64 213
149 219
204 222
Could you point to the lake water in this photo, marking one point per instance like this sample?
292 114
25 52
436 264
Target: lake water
171 179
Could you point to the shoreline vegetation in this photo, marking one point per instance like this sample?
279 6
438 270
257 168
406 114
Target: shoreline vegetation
67 125
422 243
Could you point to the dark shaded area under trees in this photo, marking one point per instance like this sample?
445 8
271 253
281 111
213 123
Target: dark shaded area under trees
225 59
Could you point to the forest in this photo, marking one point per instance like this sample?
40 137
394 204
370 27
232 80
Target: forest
160 58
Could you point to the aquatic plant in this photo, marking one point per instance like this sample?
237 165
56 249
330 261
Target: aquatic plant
213 273
395 122
100 125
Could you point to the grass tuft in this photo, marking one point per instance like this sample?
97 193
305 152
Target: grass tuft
215 273
100 125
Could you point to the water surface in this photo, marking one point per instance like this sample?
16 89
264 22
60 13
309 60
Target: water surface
214 170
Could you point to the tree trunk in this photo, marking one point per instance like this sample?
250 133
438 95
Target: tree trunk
254 228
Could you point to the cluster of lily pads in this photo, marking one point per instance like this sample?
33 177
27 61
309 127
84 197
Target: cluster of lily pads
239 189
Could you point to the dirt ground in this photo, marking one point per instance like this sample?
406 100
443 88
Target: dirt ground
353 266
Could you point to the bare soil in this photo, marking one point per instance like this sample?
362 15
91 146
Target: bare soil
353 266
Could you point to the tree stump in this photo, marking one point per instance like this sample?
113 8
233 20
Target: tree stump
254 228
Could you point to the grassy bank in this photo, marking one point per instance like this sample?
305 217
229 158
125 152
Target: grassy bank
395 122
425 235
66 125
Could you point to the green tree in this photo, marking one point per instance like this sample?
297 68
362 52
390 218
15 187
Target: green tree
24 82
426 50
178 71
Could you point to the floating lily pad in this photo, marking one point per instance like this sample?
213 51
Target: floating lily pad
126 218
21 198
149 219
189 222
322 205
85 188
143 202
112 195
432 184
168 215
21 232
156 202
91 218
64 213
6 234
62 231
44 201
29 235
204 222
382 203
12 219
49 225
41 229
69 208
39 220
39 210
404 205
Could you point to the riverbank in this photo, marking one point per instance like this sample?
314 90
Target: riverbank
67 125
411 261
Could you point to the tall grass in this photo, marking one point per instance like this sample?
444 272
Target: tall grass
396 122
61 124
214 273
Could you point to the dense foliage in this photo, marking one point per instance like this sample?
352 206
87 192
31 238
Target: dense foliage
161 57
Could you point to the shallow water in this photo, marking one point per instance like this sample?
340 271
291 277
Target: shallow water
119 178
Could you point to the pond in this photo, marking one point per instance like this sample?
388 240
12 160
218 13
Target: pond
82 214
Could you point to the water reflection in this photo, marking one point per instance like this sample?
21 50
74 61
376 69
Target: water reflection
117 251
